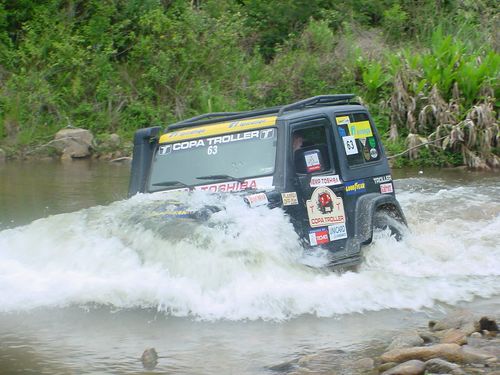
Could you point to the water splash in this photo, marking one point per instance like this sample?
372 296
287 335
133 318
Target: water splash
245 263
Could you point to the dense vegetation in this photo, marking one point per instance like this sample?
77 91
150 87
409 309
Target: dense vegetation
428 69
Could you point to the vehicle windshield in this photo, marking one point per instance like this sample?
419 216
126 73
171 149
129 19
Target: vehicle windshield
213 159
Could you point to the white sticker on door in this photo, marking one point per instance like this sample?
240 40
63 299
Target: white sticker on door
350 145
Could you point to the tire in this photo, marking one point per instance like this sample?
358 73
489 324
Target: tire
383 220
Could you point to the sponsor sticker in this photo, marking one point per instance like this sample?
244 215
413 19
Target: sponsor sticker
360 129
264 183
343 120
355 187
342 132
256 200
366 153
363 141
337 232
312 162
382 179
386 188
325 208
289 199
317 181
318 236
373 153
371 142
350 145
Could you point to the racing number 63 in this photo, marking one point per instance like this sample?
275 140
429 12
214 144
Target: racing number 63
212 150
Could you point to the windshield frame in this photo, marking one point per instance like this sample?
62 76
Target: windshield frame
150 188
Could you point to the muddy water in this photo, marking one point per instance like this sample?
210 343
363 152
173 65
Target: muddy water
96 279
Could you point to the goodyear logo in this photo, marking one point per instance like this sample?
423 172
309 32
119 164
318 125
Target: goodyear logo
355 187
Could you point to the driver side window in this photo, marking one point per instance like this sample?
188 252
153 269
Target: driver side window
310 150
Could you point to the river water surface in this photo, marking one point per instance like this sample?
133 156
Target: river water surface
89 279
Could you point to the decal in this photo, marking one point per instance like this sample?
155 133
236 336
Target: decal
355 187
325 208
366 153
256 200
216 129
337 232
371 142
380 180
267 133
342 132
318 236
360 129
363 141
342 120
350 145
312 161
373 153
317 181
212 142
164 150
289 199
264 183
386 188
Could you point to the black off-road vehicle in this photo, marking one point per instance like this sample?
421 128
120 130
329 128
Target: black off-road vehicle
320 159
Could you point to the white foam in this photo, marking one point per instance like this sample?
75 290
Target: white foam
245 263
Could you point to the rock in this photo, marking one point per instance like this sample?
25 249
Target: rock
476 335
488 324
456 320
475 355
413 367
406 340
3 156
386 366
149 358
114 140
454 336
363 364
451 352
73 143
440 366
306 359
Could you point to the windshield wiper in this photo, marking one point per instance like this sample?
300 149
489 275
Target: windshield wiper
220 177
172 183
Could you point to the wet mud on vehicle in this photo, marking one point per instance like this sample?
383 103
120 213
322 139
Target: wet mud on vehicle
319 159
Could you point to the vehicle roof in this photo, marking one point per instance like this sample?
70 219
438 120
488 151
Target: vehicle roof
323 109
313 104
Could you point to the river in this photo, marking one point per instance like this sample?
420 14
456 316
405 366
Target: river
86 285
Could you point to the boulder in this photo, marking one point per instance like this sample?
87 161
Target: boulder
363 364
149 358
73 142
454 336
476 355
406 340
451 352
413 367
464 320
488 324
114 140
440 366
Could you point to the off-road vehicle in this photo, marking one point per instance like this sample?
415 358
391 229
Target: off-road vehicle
319 159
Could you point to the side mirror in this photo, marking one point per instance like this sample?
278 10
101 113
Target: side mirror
308 161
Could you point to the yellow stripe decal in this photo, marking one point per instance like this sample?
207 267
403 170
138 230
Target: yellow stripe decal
215 129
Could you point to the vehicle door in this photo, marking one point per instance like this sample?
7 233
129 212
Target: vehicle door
364 166
319 216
